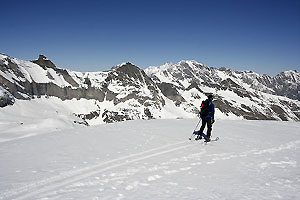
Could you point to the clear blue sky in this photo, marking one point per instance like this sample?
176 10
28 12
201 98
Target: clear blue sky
263 36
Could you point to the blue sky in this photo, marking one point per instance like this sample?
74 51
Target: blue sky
262 36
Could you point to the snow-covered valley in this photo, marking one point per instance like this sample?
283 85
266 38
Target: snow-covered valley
150 159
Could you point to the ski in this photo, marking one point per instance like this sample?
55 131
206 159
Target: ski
212 140
203 136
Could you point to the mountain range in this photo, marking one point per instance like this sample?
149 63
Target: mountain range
127 92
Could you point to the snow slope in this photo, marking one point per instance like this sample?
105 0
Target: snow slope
152 159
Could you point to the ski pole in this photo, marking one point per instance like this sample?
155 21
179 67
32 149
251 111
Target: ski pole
195 129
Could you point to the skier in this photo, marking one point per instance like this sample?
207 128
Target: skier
207 114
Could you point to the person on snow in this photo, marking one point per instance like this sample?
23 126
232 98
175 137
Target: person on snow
207 115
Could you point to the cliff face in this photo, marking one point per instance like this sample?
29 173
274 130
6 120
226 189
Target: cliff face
131 92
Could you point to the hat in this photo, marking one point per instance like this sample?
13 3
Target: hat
210 96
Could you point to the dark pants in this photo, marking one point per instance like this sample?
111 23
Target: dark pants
209 126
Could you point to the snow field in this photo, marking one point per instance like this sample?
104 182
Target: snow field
154 160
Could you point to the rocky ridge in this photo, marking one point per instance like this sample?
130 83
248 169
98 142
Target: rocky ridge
126 92
242 93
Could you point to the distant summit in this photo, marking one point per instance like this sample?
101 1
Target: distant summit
44 62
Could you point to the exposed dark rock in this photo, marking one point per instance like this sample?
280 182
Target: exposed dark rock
11 67
170 91
6 99
87 81
228 83
129 75
67 77
50 76
85 123
281 113
91 115
131 71
246 107
148 113
112 116
226 107
196 86
13 88
51 89
44 62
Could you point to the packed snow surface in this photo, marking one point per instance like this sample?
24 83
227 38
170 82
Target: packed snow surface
151 160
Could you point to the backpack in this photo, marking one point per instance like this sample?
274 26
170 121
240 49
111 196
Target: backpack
204 108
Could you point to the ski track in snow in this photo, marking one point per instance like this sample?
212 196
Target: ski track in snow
49 184
70 181
289 145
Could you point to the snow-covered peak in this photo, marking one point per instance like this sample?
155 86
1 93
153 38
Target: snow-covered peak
169 66
292 75
127 65
189 62
42 57
122 64
42 70
2 56
165 66
3 59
